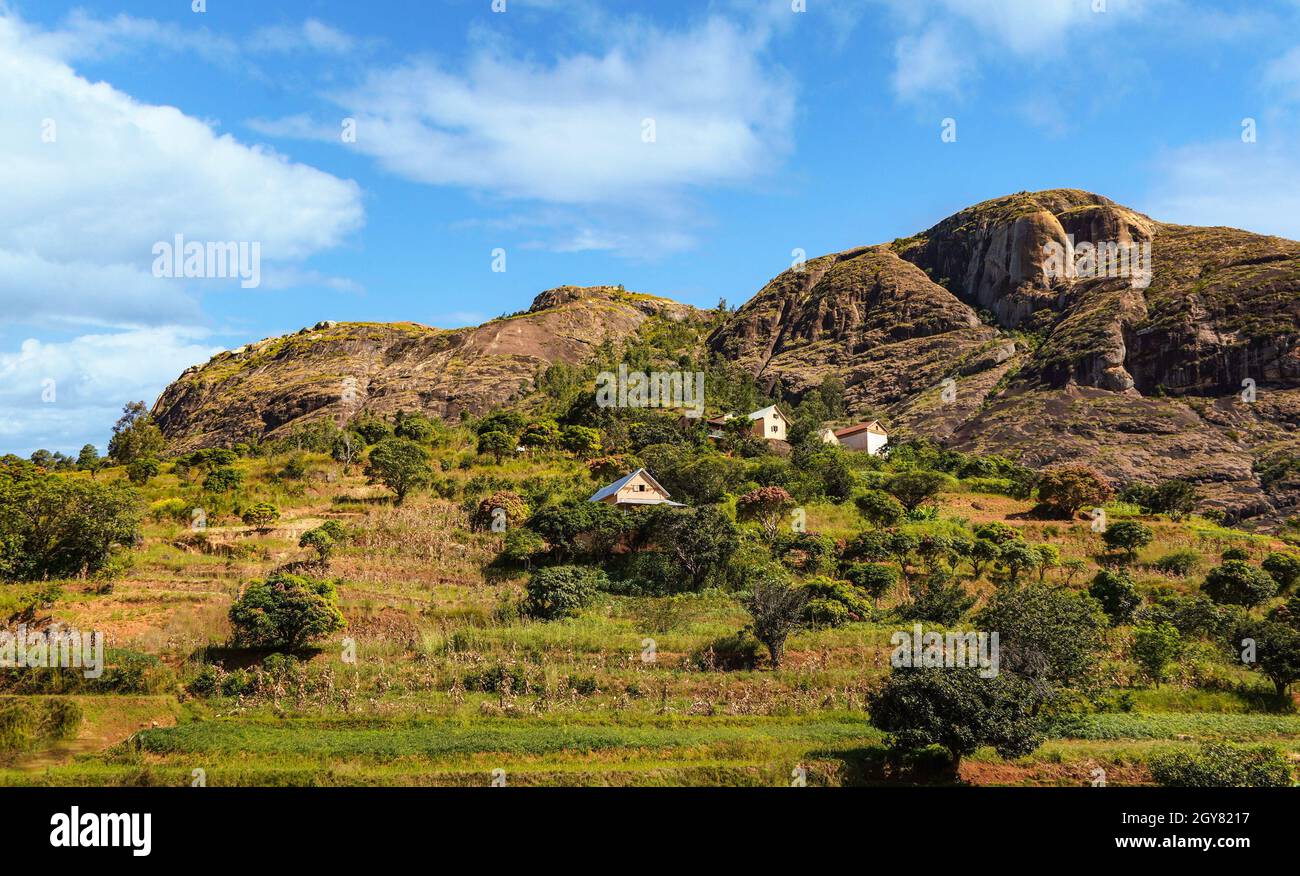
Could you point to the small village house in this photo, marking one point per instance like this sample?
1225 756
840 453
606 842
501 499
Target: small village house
635 489
869 437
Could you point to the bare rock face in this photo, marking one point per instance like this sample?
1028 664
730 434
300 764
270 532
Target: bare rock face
337 370
1142 371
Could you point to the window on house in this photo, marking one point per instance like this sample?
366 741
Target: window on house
774 428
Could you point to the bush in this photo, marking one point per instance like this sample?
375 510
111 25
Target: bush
915 488
1180 564
1128 536
1223 765
285 611
1155 647
1238 583
1064 491
941 600
261 516
834 603
1285 569
223 480
515 511
1117 595
400 464
562 591
26 723
876 580
735 652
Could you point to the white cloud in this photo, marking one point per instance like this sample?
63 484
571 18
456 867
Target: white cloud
312 35
928 63
84 206
62 395
1244 185
571 130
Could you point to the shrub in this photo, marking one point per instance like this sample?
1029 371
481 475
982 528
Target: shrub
141 471
879 508
1180 564
776 611
1223 765
1117 595
833 603
1285 569
399 464
515 511
734 652
1238 583
285 611
1155 647
766 506
875 579
26 723
261 516
223 480
1066 490
1128 536
940 599
562 591
915 488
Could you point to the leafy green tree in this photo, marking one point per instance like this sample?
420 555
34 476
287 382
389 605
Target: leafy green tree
285 611
1128 536
1276 650
141 470
261 516
1155 647
957 710
543 435
89 460
939 599
1066 490
879 508
1284 568
399 464
698 542
581 441
1047 634
496 444
915 488
54 527
1175 498
1236 582
982 553
562 591
1117 595
415 427
776 611
1017 557
875 579
1223 765
223 480
1049 557
135 436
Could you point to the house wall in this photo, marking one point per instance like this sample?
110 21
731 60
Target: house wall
630 491
870 442
771 428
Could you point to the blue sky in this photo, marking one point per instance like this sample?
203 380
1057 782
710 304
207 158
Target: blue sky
125 123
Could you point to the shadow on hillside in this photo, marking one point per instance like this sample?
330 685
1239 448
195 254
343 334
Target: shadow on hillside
231 658
875 765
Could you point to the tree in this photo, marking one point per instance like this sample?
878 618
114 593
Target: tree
915 488
89 460
261 516
1284 568
52 526
1017 557
223 480
504 506
1236 582
1117 595
285 611
1223 765
1049 557
957 710
1128 536
1066 490
561 591
581 441
776 611
1155 647
399 464
1175 498
875 579
496 444
543 435
1047 634
982 552
831 393
135 435
879 508
140 470
698 542
323 539
767 506
416 427
1276 647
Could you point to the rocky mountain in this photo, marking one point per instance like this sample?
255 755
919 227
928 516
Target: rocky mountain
336 370
979 333
1049 326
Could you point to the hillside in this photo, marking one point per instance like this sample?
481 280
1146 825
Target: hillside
1143 381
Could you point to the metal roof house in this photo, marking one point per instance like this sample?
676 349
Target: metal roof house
635 489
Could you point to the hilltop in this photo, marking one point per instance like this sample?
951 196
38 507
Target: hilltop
963 333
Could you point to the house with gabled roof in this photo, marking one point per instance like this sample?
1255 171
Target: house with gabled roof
770 423
635 489
870 437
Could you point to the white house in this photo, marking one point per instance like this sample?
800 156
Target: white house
870 437
770 423
637 488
